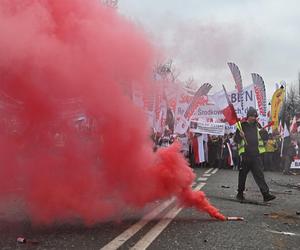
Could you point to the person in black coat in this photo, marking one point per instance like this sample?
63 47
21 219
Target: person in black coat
214 145
288 154
250 140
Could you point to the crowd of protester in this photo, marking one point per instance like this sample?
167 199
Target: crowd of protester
222 151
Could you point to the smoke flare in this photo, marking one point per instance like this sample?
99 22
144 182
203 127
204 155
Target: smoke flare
65 64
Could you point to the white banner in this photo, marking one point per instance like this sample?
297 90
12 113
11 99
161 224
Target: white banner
207 128
263 120
182 103
230 129
295 164
178 98
213 111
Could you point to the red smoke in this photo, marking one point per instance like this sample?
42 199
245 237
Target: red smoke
62 58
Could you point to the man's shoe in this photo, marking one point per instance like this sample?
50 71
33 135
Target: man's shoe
269 197
240 196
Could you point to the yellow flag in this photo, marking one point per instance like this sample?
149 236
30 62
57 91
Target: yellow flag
276 104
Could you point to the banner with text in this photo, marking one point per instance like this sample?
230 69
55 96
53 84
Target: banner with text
207 128
211 110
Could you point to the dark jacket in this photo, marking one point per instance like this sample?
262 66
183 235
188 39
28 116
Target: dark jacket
288 148
250 130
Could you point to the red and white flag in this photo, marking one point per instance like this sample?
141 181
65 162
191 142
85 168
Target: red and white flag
286 132
201 153
228 110
200 98
260 92
195 145
293 127
280 129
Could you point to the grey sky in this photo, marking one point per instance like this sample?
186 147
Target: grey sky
260 36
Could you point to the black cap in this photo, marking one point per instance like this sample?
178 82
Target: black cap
252 112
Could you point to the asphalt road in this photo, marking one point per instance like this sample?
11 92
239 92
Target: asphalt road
165 226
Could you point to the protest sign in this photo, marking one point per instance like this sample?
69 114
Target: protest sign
207 128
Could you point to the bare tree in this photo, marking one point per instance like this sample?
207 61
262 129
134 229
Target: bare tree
167 71
190 83
291 106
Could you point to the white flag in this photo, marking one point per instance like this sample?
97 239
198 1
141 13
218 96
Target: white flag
286 132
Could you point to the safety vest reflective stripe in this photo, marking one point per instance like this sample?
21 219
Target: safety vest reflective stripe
261 146
241 147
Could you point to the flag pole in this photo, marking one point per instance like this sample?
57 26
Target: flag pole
281 150
284 125
238 124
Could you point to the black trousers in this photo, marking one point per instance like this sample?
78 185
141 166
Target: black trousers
253 164
287 161
268 163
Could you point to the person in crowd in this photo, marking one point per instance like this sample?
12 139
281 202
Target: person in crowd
184 141
219 151
277 152
157 138
199 150
271 147
205 146
214 151
165 139
234 150
250 145
224 152
191 151
154 142
288 154
195 151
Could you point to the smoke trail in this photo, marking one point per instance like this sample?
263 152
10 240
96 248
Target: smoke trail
59 59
